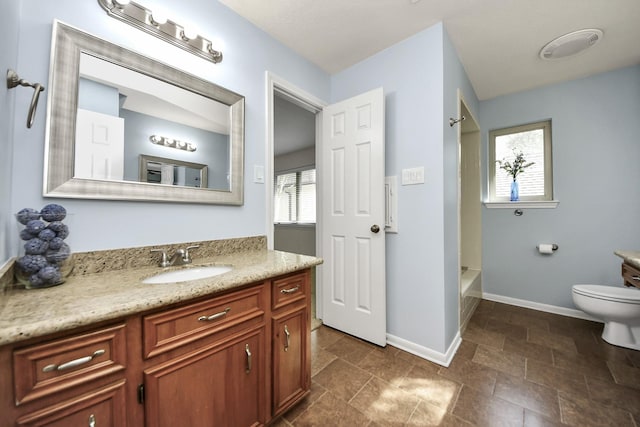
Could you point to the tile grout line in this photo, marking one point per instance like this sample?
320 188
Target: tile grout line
361 388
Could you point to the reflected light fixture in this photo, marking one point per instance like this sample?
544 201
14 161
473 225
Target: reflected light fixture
157 24
173 143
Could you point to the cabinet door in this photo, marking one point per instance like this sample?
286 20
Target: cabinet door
221 384
291 359
103 408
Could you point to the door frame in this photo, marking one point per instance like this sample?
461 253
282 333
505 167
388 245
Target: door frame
462 104
275 84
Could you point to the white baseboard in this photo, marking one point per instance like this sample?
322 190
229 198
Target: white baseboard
563 311
443 359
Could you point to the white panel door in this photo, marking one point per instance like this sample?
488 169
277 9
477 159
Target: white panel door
99 147
353 237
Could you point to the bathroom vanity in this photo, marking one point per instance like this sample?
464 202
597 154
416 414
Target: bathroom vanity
227 350
630 267
631 275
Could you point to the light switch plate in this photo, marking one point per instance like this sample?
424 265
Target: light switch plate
258 174
413 176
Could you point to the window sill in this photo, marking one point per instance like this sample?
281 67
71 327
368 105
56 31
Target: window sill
546 204
295 224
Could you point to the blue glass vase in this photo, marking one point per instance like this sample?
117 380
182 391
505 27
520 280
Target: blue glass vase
515 191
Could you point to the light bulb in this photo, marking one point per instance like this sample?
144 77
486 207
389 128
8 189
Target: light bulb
188 34
120 4
158 18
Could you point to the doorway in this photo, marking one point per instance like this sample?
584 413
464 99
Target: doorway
292 121
349 148
469 215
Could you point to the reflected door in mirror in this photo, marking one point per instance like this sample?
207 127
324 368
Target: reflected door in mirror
101 154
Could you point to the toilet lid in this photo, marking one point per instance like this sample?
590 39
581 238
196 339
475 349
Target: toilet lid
611 293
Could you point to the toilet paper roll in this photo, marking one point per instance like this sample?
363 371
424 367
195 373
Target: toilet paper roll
545 248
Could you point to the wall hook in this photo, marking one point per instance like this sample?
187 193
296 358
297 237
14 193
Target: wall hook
453 121
13 80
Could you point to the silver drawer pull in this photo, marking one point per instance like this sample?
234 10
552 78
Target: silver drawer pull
74 363
92 420
214 316
289 291
248 352
635 277
288 335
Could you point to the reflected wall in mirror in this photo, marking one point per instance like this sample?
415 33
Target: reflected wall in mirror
106 102
172 172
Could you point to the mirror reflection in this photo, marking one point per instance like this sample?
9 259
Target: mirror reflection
124 115
108 107
172 172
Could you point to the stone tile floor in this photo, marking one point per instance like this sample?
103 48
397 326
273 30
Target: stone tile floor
515 367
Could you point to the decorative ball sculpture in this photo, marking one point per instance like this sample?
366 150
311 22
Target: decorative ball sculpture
47 258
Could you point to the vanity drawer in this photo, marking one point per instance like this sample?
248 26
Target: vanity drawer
290 289
44 369
630 275
173 328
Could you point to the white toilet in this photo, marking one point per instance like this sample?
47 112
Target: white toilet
617 307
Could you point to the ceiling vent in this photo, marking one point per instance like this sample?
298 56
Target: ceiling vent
571 44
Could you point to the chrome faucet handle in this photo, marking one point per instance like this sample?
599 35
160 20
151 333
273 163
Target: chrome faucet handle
187 255
164 262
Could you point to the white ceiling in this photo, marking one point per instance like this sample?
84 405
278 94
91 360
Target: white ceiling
498 41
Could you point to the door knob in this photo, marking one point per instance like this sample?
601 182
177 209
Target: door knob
375 228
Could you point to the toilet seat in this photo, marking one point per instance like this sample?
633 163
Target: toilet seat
609 293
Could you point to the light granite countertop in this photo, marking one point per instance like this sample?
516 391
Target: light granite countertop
90 298
631 257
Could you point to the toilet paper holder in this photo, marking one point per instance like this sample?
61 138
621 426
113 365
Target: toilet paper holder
554 247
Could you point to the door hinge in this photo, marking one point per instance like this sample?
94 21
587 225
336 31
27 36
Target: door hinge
141 394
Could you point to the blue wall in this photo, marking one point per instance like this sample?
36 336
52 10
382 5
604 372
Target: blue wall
412 74
98 97
9 19
248 53
212 148
455 79
596 148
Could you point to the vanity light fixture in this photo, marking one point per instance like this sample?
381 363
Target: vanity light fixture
173 143
157 24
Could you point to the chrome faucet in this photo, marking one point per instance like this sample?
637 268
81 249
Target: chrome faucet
180 257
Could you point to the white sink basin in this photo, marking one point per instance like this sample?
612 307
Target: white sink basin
184 275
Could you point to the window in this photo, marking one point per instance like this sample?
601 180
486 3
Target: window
295 197
534 141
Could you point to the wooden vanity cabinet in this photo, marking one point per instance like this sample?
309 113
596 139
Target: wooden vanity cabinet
630 275
70 380
291 350
237 359
221 379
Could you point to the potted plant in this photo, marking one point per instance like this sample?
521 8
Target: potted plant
514 169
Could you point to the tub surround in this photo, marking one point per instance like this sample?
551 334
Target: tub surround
107 285
630 257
